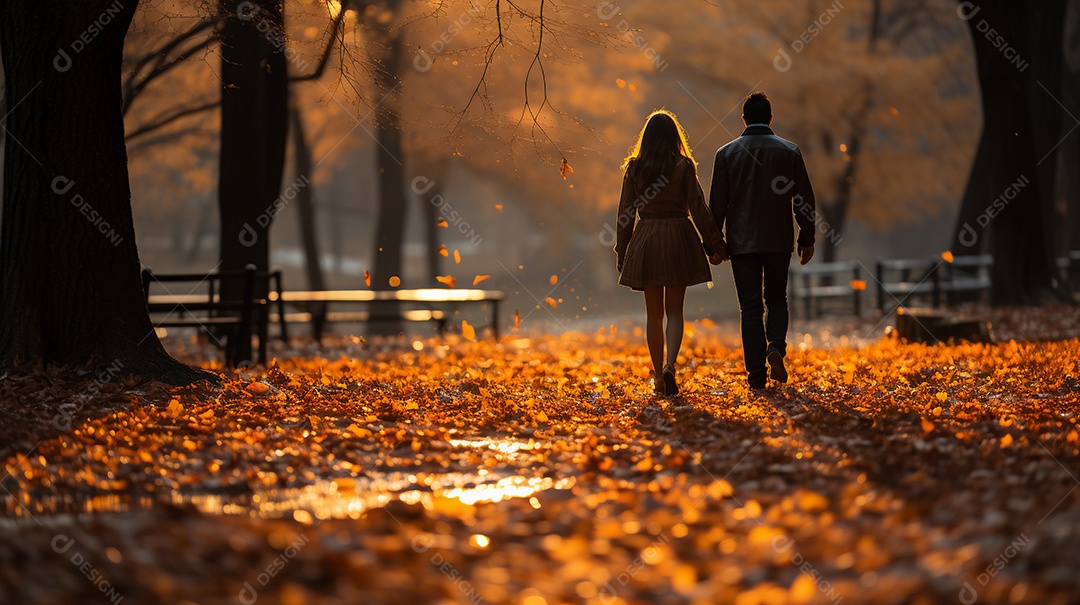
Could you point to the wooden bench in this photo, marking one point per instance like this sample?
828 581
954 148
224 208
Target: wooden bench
237 319
813 283
432 304
900 279
964 276
1070 267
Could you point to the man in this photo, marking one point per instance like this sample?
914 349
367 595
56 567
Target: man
758 181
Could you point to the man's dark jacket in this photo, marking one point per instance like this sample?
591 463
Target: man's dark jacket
758 180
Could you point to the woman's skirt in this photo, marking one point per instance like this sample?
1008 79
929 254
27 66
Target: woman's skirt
664 252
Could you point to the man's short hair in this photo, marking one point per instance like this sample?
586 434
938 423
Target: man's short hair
757 109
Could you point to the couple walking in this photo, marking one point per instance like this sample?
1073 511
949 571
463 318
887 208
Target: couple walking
759 180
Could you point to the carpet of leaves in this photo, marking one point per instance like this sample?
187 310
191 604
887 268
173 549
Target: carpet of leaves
543 470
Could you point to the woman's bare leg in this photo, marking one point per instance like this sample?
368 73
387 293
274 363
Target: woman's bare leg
673 308
654 327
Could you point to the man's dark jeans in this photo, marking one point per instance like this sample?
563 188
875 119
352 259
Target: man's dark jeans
756 275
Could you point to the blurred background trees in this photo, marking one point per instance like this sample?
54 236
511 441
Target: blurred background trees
883 96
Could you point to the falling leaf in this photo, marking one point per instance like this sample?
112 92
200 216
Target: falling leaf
467 331
443 251
479 278
367 278
565 169
517 319
551 302
947 256
620 82
553 280
442 223
499 207
457 257
858 284
446 279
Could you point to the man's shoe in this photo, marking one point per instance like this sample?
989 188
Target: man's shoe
776 365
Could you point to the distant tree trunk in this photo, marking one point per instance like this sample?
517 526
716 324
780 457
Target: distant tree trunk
1020 120
393 202
430 196
969 237
70 284
1070 148
254 127
305 207
305 202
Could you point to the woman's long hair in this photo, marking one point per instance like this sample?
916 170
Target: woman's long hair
661 141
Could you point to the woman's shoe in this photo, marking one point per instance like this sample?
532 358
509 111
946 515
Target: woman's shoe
670 388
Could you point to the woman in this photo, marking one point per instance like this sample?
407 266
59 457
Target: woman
659 251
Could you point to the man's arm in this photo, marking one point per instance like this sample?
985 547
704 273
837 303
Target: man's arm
718 195
805 207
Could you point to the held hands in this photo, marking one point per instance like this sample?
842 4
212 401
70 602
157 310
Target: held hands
718 258
805 254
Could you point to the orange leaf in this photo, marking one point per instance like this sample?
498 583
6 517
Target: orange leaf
858 284
442 223
565 169
517 319
443 251
551 301
467 331
367 278
499 207
446 279
480 278
457 257
947 256
553 280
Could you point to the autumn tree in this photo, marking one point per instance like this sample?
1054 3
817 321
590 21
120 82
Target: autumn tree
1010 194
70 287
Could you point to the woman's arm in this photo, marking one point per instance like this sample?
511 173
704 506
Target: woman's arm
624 223
712 237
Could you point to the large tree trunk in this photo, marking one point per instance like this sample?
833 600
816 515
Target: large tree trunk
1020 120
393 203
70 284
254 128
